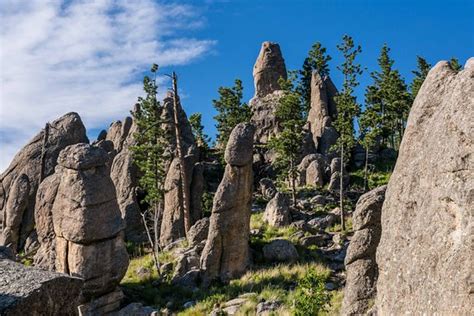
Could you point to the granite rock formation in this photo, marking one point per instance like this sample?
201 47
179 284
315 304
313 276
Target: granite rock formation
426 248
360 263
32 291
87 222
226 253
19 183
277 211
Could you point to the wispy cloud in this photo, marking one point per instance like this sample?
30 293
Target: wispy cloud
83 56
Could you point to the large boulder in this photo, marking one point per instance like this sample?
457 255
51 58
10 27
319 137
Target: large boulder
277 212
335 180
280 250
361 266
226 253
32 164
31 291
425 252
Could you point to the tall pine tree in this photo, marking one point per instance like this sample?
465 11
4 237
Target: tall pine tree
423 67
202 139
150 154
317 60
231 111
347 108
287 143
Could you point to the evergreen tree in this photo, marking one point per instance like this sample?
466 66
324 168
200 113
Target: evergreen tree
423 67
389 96
455 65
347 108
150 155
317 60
231 111
287 143
202 139
370 130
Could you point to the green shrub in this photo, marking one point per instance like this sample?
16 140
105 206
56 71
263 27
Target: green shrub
311 297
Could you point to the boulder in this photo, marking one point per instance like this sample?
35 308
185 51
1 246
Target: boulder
280 250
361 266
226 253
267 188
425 252
36 160
316 173
198 232
31 291
303 167
335 181
277 212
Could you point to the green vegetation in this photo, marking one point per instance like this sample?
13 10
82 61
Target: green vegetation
317 60
231 111
202 140
347 108
287 143
423 67
310 295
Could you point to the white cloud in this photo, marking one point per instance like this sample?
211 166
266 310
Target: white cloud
83 56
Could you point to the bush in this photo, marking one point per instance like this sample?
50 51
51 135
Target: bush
311 296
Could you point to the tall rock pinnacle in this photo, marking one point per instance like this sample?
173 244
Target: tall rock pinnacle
268 69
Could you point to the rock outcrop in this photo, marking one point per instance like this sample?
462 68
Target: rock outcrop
172 224
87 222
226 253
280 250
277 212
335 181
268 69
32 291
425 253
19 183
322 113
361 267
267 188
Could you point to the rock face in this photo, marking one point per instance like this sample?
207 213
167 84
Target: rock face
268 69
322 112
87 221
31 291
19 183
277 212
172 224
361 267
226 253
425 252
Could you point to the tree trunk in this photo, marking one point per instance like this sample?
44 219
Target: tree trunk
366 171
150 239
293 183
185 190
341 190
43 153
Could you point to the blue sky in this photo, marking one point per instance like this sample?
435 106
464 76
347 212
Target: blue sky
434 29
90 56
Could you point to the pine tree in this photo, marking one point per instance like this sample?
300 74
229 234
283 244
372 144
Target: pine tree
370 130
389 96
202 139
347 108
423 67
150 155
455 65
317 60
287 143
231 111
